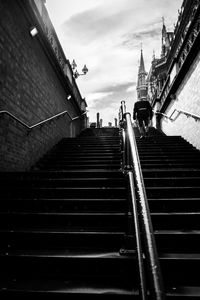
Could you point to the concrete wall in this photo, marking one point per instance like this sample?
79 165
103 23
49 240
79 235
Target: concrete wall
187 99
32 89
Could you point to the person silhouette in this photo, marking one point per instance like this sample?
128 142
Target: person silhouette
142 114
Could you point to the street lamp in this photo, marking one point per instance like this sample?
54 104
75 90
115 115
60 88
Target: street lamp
75 71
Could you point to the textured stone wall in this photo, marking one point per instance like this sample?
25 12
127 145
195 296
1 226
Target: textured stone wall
187 99
30 89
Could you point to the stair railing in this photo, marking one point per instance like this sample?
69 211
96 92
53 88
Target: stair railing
179 111
137 184
41 122
127 168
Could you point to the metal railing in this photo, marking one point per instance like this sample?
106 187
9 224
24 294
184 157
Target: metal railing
137 184
179 111
127 168
29 127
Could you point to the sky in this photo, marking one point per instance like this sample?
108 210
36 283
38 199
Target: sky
107 36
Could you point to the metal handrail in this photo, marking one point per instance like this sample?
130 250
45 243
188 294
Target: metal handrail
41 122
179 111
152 256
128 170
162 114
188 114
143 286
149 239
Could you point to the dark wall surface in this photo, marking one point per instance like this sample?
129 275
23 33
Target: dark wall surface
31 89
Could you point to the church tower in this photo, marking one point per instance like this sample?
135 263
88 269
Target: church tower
167 38
142 84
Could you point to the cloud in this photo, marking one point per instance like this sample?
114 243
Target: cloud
92 25
99 95
66 9
107 101
131 88
106 35
115 88
133 39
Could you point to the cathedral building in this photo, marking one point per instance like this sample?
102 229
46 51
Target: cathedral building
174 78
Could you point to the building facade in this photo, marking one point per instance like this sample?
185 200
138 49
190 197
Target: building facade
174 78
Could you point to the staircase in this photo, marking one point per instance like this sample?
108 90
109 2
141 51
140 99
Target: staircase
64 226
171 170
64 230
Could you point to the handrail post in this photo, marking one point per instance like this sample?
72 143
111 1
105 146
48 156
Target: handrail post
126 144
151 253
123 108
123 149
123 133
128 161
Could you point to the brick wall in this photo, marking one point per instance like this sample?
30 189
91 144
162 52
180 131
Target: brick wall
31 89
187 99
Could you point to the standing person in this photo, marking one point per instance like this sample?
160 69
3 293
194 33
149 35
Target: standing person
142 112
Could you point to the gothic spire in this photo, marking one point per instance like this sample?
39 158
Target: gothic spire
141 67
141 84
164 36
